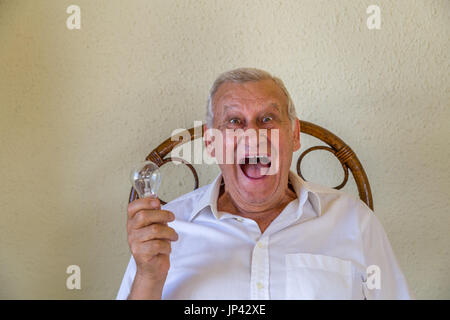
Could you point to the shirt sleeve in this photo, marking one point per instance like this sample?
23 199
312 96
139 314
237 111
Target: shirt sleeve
127 281
384 278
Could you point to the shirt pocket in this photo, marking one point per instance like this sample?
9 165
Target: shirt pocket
313 276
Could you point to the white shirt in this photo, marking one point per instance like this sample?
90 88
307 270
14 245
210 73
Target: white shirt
319 247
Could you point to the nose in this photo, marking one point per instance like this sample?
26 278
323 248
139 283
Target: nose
253 129
255 139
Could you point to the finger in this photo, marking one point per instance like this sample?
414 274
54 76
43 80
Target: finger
147 217
156 231
142 204
157 247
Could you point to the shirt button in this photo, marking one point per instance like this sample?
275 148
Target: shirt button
259 244
259 285
239 219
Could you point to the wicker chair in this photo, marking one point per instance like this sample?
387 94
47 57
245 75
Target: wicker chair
336 146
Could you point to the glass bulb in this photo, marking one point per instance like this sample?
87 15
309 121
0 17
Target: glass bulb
146 178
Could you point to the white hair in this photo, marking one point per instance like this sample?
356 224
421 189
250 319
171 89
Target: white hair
243 75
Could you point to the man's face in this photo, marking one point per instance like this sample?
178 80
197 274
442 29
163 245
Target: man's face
255 107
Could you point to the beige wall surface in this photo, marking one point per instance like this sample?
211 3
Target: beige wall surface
79 107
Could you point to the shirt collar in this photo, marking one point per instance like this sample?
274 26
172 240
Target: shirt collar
304 190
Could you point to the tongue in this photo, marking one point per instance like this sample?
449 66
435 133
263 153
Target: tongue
254 171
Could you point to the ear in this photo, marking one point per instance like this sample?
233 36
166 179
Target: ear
296 134
207 138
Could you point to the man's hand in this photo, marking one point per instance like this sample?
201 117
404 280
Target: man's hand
149 239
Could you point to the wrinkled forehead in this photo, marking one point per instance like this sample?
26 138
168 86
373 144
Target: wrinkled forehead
263 93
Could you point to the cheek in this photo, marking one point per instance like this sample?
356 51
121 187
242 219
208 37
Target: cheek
284 146
224 147
228 149
228 141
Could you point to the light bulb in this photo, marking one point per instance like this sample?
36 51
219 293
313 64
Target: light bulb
146 178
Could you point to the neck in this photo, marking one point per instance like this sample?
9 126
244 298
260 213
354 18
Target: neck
263 215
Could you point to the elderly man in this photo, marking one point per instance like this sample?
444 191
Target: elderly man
250 235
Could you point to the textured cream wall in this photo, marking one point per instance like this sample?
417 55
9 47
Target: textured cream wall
79 107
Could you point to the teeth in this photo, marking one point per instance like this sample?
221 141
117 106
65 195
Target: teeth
264 160
255 160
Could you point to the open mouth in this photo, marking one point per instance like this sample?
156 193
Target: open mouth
255 167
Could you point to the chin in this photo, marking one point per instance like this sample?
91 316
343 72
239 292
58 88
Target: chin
256 190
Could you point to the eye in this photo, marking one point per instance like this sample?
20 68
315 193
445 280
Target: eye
266 119
235 121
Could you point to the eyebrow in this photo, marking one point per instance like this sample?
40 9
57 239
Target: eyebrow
230 106
273 104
